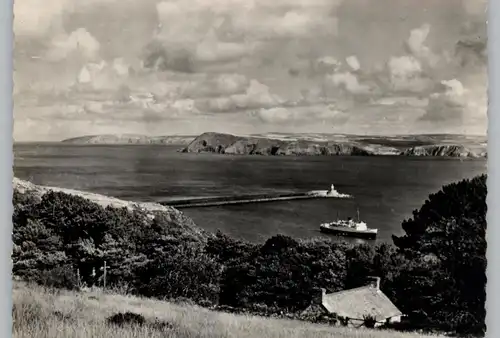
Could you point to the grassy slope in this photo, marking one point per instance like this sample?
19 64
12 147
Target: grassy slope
84 315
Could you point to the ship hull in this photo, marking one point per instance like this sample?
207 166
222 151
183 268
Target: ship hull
340 231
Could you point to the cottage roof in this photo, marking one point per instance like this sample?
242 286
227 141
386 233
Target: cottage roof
359 302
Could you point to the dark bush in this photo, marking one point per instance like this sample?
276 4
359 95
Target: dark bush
127 318
63 277
369 321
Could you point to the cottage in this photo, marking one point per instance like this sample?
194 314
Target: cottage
353 306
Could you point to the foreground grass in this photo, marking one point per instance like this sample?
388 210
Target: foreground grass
43 313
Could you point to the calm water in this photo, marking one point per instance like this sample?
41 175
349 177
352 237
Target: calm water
385 189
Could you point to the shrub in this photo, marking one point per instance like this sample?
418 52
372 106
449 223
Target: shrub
126 318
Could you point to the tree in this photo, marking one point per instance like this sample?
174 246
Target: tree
283 267
445 248
464 199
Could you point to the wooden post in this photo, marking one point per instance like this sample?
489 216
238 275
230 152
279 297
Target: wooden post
104 276
78 280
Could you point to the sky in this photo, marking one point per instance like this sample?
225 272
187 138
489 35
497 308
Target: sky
249 66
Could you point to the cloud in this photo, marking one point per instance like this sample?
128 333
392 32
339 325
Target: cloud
210 49
448 105
231 83
403 101
349 82
101 76
416 45
406 74
121 67
353 62
309 115
327 64
79 43
257 95
226 30
275 115
471 52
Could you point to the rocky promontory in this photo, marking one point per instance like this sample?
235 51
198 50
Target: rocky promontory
324 146
240 145
443 150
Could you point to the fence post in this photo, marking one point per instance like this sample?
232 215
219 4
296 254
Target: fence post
104 286
78 279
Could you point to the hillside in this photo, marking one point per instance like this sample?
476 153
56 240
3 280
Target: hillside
130 139
172 215
44 314
325 145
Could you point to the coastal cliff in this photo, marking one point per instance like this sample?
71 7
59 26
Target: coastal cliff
307 146
444 150
130 139
240 145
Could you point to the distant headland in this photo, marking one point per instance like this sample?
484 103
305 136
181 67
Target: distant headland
131 139
443 145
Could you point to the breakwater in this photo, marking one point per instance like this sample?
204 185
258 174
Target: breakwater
246 199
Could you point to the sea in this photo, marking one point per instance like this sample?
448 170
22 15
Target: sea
385 189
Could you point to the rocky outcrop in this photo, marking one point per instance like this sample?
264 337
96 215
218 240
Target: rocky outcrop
239 145
213 143
349 146
130 139
447 150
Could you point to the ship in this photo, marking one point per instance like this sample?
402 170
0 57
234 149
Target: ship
349 227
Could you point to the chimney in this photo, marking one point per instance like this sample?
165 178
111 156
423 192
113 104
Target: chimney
375 282
318 296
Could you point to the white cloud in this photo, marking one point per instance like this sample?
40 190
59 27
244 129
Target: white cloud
257 95
121 67
102 75
211 49
404 67
79 42
231 83
275 115
353 62
206 24
406 74
327 64
416 44
454 88
402 101
307 115
457 104
348 81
